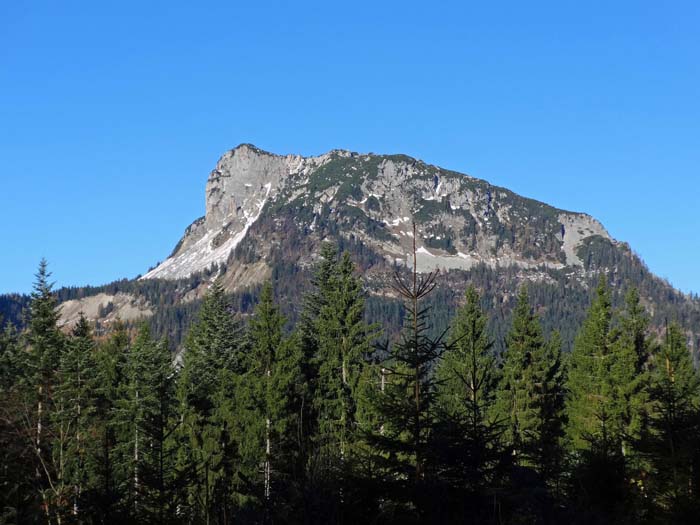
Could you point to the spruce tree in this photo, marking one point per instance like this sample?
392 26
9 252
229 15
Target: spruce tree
45 344
517 399
74 414
590 404
270 421
145 419
11 365
17 459
632 350
128 420
315 300
206 391
344 341
673 442
407 400
549 378
596 425
315 485
469 439
159 421
110 376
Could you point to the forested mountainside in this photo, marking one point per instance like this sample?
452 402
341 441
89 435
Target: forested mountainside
330 421
267 215
357 338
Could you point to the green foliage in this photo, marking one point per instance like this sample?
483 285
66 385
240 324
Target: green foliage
467 373
530 393
517 404
591 404
344 342
73 416
211 367
406 402
470 453
673 443
270 401
302 419
110 377
45 344
17 494
607 405
428 211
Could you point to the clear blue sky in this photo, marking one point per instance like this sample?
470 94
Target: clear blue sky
112 116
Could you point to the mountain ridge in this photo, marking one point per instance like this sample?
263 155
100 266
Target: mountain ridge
268 214
231 188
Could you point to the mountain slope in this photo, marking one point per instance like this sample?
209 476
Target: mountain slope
266 216
462 221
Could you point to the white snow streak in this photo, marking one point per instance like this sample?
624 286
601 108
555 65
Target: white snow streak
201 255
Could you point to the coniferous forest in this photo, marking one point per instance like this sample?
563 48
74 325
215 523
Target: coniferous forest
335 420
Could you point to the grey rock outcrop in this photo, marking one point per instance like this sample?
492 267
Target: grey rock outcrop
461 221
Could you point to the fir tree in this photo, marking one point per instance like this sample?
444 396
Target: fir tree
145 421
596 412
316 299
158 422
17 459
549 386
632 351
314 483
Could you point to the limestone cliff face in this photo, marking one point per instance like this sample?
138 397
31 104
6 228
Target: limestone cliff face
244 180
373 199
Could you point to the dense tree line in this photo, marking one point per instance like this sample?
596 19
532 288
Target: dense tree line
328 419
560 297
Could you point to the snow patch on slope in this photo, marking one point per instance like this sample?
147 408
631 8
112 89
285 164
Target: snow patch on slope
202 254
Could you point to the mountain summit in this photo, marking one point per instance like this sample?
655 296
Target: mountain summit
461 221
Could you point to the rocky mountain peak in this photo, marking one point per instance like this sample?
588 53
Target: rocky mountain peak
462 221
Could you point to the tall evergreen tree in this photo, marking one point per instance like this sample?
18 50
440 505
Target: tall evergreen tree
632 350
597 414
517 399
469 439
45 345
530 393
407 402
590 404
549 379
673 441
316 299
270 427
344 342
146 419
159 420
17 460
316 485
110 376
211 369
74 399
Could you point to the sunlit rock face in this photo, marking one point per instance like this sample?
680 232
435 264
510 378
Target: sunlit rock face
460 221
